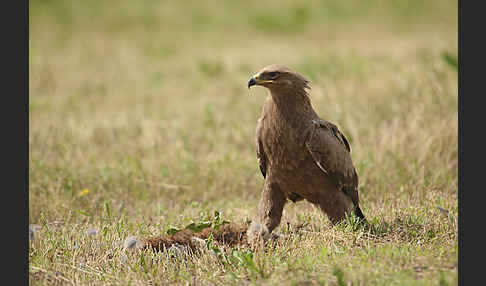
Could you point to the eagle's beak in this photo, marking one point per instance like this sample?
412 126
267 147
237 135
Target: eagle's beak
252 82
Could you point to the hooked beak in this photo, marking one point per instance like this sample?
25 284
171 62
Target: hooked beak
254 80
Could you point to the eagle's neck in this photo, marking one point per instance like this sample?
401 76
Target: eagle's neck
293 108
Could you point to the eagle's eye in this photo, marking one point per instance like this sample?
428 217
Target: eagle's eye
272 75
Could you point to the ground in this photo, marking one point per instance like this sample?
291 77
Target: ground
140 121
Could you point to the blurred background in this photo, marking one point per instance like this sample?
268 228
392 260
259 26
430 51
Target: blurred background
140 121
143 105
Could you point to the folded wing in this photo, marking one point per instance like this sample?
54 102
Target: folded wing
331 152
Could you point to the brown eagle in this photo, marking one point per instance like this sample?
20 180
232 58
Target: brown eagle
300 155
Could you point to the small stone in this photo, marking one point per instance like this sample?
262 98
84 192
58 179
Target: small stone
131 243
33 228
444 211
92 232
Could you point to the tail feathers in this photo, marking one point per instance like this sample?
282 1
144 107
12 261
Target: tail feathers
360 214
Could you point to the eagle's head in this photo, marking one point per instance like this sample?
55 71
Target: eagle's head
278 78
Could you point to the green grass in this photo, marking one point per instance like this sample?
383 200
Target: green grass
144 105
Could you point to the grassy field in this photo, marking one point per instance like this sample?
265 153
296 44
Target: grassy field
141 121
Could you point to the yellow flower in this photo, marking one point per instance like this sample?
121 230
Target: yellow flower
84 192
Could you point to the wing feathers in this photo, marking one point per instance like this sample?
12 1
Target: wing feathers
331 152
262 158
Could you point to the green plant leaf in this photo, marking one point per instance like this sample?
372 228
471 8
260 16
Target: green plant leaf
450 59
172 231
198 227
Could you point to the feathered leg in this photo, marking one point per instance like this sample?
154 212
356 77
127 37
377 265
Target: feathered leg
270 210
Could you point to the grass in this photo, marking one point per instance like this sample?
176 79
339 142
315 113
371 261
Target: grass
140 122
